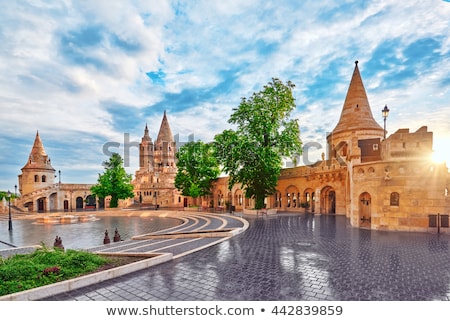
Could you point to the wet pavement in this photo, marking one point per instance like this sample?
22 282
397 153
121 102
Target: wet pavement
80 235
294 257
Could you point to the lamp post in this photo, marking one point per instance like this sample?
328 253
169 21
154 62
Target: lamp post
9 207
156 191
385 113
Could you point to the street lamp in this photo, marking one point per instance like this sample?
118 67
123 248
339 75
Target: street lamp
385 113
9 206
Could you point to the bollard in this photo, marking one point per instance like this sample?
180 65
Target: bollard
116 236
106 239
58 243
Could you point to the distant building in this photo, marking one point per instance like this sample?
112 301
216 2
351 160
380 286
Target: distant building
154 180
39 191
383 184
377 183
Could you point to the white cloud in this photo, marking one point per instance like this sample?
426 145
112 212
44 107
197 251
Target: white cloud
216 52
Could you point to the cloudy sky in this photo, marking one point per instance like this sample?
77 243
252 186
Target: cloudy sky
88 73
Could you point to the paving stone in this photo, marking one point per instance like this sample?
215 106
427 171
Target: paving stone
296 257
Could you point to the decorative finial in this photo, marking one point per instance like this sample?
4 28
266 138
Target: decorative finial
356 62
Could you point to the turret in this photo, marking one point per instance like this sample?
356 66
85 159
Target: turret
165 147
38 171
356 121
146 152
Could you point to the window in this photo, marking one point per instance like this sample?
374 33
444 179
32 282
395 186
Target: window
44 178
395 199
36 178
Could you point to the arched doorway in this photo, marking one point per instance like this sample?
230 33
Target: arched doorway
66 205
328 200
91 202
364 206
41 204
79 203
238 199
308 200
292 198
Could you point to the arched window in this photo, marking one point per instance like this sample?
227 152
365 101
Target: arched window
395 199
44 178
36 178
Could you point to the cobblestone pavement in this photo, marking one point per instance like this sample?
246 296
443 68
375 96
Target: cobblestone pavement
294 257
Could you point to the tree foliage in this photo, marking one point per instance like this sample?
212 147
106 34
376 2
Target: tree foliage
252 154
197 169
114 182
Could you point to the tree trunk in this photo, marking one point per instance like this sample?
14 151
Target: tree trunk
114 202
259 201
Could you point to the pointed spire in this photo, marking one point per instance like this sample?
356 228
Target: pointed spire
38 147
38 157
146 136
165 133
356 113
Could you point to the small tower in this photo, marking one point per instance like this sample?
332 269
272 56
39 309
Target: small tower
356 121
38 171
165 147
146 152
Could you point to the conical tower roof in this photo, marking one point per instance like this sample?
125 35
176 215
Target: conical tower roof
356 114
165 133
38 158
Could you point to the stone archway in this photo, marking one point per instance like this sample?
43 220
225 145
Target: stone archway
238 199
365 213
79 203
308 200
41 204
292 197
328 200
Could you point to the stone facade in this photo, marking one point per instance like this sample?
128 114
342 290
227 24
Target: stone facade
40 193
378 183
154 180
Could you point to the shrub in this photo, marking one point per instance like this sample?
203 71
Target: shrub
45 266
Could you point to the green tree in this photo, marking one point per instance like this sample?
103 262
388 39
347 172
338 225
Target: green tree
197 169
252 154
114 182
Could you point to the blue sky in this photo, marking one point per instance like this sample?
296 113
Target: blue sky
85 73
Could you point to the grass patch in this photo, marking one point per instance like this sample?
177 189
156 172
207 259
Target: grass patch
46 266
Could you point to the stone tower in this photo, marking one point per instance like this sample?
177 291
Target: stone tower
38 172
165 147
356 121
154 181
146 152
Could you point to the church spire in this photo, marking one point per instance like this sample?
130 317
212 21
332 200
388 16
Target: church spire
356 113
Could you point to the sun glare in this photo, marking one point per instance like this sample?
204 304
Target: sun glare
441 156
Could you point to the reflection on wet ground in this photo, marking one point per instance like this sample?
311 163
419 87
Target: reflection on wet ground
80 235
295 257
